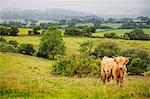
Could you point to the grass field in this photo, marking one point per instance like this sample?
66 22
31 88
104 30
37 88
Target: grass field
114 25
23 76
72 43
24 30
29 77
118 32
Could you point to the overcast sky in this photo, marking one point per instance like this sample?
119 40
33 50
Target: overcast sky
98 7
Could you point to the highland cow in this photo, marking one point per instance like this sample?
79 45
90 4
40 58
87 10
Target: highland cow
113 68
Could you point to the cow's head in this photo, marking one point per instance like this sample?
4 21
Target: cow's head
121 62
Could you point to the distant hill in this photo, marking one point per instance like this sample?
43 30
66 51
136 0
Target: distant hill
38 14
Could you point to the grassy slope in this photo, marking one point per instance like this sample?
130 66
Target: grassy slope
114 25
118 31
72 43
29 77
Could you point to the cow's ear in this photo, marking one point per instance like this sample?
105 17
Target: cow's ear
126 60
115 59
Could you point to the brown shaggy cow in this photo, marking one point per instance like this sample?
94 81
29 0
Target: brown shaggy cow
113 68
119 70
107 65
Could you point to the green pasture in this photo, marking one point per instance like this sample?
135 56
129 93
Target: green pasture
117 31
28 77
113 25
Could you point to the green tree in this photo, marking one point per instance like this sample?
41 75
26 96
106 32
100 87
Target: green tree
13 31
106 49
87 31
137 34
52 43
35 29
3 30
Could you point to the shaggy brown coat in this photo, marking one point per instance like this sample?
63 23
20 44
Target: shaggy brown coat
113 68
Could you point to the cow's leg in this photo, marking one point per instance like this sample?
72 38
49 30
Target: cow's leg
104 78
115 75
108 78
122 75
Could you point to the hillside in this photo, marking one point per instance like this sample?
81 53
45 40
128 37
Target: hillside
39 14
29 77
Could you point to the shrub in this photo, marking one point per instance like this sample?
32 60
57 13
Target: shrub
86 47
106 49
3 30
147 73
111 35
26 49
73 32
87 31
30 32
139 60
13 31
2 39
137 34
4 47
13 42
80 66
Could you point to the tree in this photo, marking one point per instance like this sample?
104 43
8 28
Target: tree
51 43
3 30
93 29
73 32
108 49
86 47
13 31
137 34
87 31
26 49
35 29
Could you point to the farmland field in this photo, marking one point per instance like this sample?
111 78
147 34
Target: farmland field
114 25
29 77
117 31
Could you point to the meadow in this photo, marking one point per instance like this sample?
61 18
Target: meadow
23 76
29 77
119 32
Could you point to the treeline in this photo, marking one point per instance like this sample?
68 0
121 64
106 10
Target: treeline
127 23
12 31
135 34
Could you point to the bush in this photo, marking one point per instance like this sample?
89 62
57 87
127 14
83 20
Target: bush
40 54
137 34
73 32
30 32
9 30
86 47
139 60
13 31
2 39
108 49
4 47
147 73
80 66
3 30
26 49
13 42
111 35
